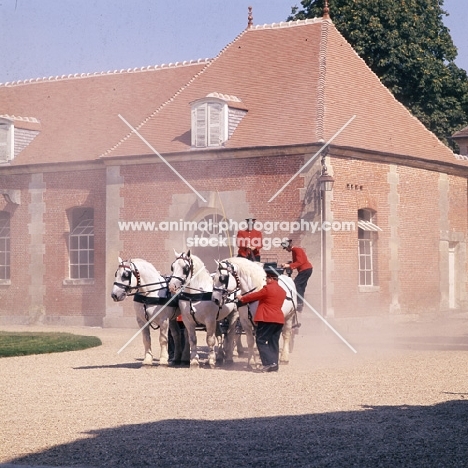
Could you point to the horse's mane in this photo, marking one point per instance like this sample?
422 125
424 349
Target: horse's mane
199 265
248 268
140 262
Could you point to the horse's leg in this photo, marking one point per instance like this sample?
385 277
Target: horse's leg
231 336
163 338
219 344
248 328
238 344
192 336
286 332
145 334
186 350
211 342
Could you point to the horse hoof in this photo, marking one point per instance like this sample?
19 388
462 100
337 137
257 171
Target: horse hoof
147 363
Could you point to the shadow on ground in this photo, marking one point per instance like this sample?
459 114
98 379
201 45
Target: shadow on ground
378 436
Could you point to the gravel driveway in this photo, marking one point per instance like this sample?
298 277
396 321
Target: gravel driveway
400 401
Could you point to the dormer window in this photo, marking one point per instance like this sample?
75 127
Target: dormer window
214 119
7 139
209 123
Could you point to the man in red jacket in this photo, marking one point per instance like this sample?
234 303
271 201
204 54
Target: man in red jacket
249 241
304 270
269 318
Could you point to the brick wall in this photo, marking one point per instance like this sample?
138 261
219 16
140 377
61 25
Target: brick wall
419 229
14 300
65 191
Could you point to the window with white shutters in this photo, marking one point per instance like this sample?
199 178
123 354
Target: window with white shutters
209 124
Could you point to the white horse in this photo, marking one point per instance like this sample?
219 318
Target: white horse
150 291
193 282
238 274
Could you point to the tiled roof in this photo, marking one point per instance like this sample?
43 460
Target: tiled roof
300 82
463 133
79 113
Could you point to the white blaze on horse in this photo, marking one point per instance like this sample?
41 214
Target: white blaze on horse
193 282
151 296
238 274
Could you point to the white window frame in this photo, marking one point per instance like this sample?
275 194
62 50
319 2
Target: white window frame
367 249
366 263
7 140
81 259
209 123
5 247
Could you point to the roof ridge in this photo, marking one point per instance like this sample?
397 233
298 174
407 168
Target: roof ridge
70 76
321 81
21 119
164 104
288 24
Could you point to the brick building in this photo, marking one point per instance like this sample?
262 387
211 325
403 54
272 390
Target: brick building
242 134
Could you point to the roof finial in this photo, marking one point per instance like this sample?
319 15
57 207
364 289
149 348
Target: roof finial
250 18
326 10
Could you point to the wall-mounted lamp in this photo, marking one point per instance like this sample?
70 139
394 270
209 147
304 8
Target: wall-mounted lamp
325 180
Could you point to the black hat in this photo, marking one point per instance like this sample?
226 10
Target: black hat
271 269
251 219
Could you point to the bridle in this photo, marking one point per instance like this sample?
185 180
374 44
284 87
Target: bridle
223 278
130 271
187 269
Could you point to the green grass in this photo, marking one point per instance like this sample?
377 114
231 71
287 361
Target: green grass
24 343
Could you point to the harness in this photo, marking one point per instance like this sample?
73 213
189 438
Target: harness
224 280
190 297
131 270
296 323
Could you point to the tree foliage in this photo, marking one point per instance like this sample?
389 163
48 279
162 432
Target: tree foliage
408 47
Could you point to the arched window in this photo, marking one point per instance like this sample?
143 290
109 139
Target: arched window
367 247
82 244
210 240
4 245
